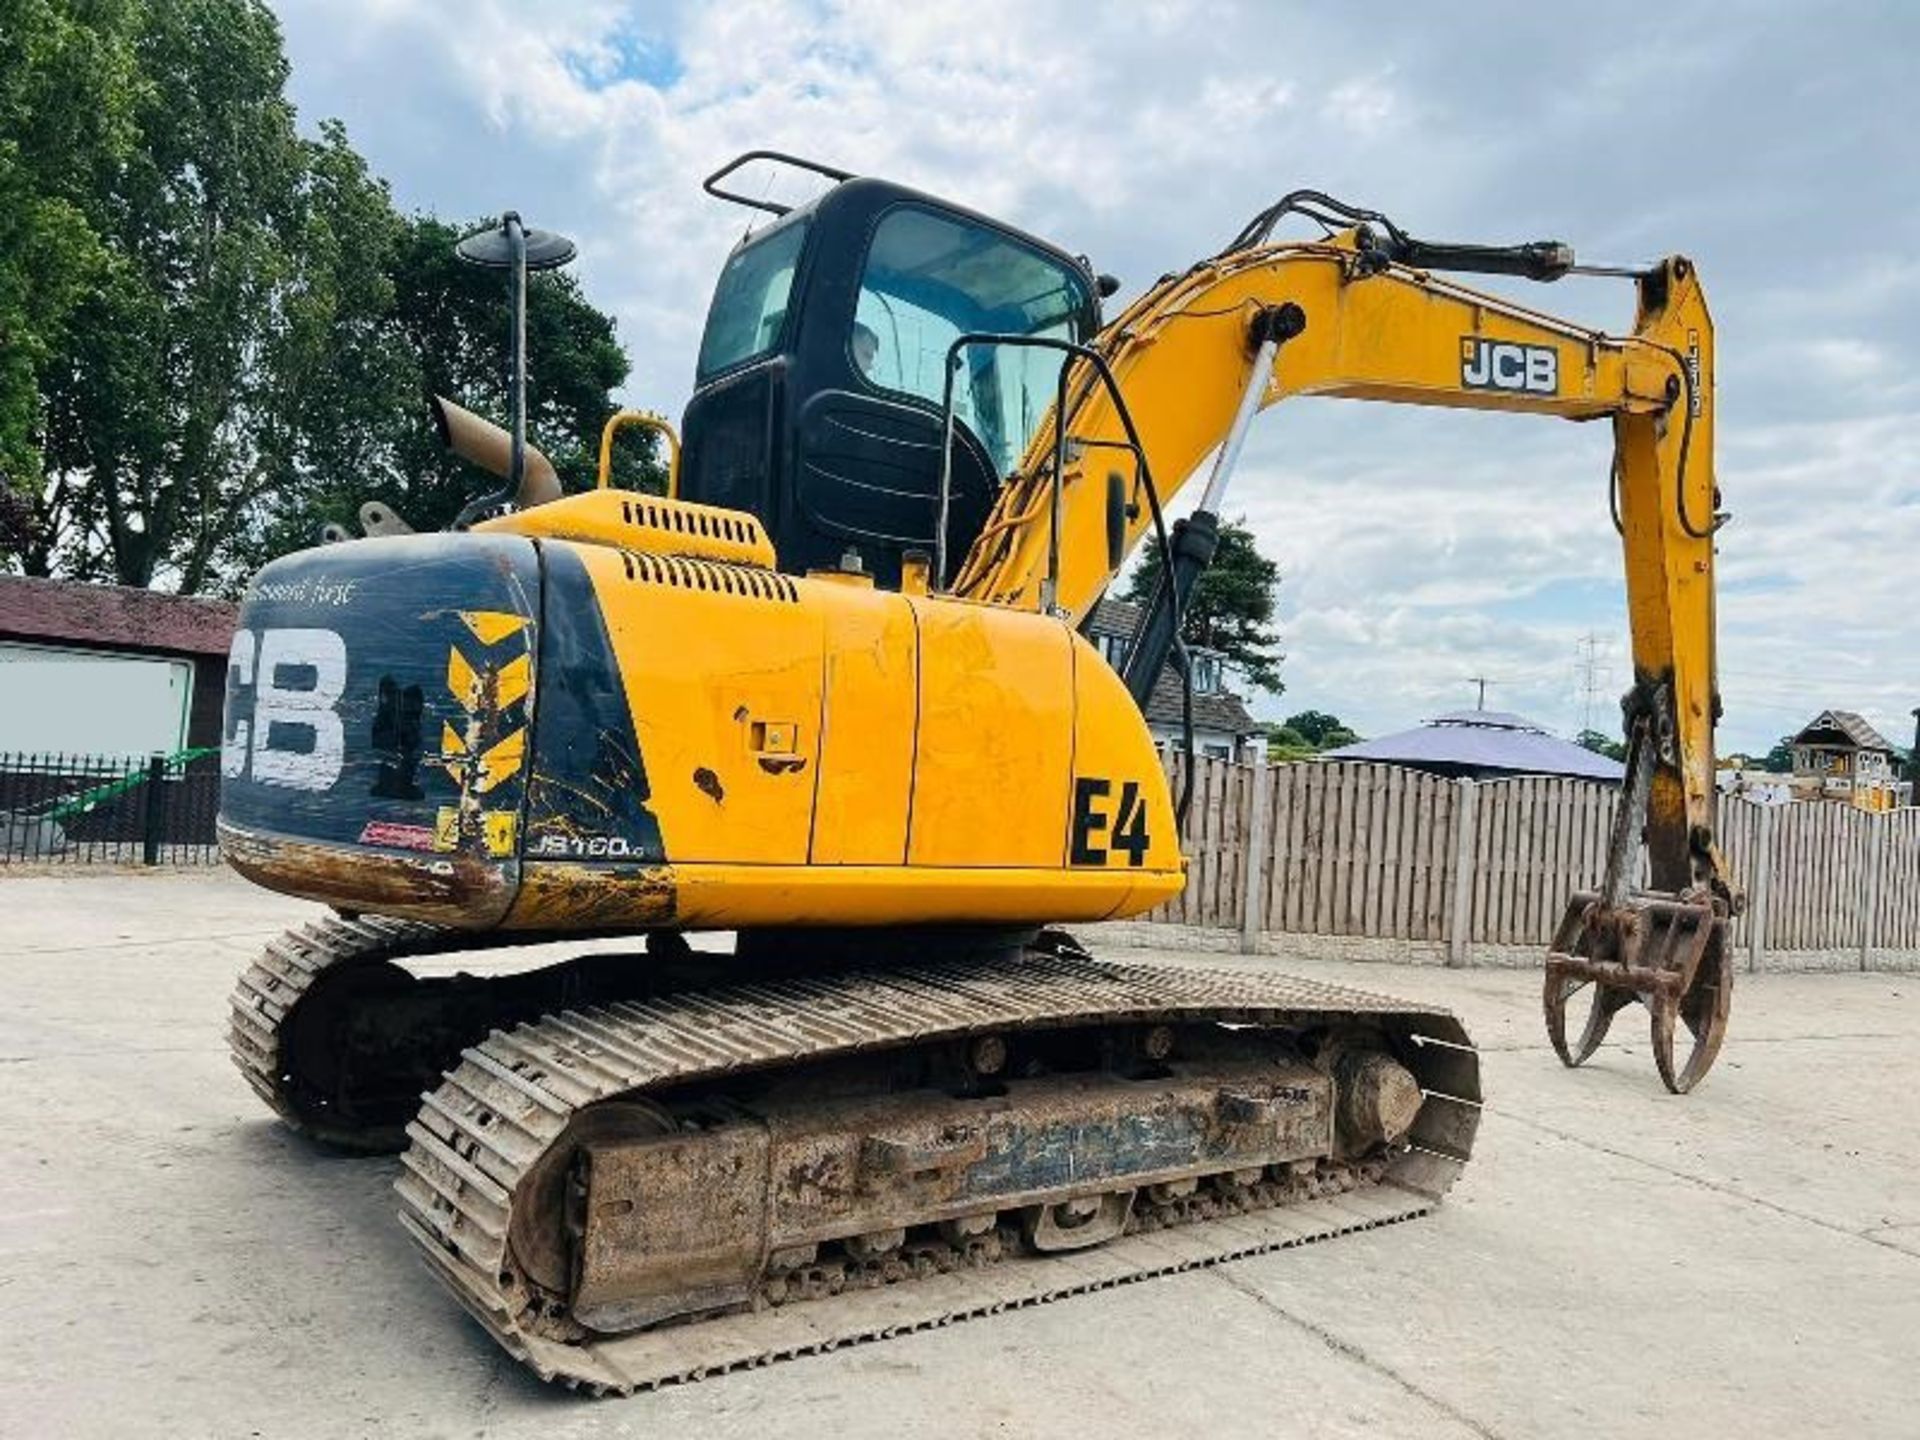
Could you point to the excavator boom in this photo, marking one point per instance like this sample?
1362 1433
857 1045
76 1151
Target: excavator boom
1181 358
1196 355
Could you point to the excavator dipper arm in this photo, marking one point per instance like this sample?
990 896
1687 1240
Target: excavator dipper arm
1363 326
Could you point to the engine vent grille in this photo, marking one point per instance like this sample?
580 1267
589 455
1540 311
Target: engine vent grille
692 520
644 524
746 581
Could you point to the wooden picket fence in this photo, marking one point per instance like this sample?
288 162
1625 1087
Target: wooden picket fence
1352 849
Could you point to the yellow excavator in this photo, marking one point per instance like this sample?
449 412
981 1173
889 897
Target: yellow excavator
829 694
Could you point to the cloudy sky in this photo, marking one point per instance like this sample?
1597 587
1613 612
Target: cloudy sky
1772 143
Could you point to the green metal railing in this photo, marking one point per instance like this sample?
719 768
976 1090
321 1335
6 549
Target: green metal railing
156 809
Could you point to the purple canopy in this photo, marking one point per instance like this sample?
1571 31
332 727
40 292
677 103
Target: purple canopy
1484 740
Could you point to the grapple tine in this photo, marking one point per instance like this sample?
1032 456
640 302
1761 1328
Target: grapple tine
1704 1007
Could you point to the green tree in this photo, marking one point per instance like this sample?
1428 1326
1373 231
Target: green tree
1321 730
1601 744
68 86
334 385
1284 743
156 403
1302 736
1232 605
217 333
441 328
1779 760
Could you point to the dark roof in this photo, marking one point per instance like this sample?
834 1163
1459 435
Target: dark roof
1494 719
1850 727
1484 740
1113 617
113 617
1218 712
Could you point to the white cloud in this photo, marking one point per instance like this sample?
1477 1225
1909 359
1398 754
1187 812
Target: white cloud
1367 103
1846 359
1419 548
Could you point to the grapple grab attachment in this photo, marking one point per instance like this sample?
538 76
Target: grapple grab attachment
1667 951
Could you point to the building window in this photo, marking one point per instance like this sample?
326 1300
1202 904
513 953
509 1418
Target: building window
1207 672
94 702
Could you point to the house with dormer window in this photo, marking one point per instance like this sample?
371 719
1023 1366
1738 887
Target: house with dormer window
1839 756
1222 725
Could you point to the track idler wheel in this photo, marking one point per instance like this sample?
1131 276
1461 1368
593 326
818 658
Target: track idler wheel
1668 952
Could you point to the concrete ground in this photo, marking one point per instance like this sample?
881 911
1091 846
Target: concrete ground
1615 1263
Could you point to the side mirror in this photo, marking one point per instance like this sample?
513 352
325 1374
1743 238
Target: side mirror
1116 519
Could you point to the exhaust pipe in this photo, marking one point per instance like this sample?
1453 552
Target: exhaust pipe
491 448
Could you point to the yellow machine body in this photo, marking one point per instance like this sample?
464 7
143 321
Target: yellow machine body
614 713
816 747
814 750
819 752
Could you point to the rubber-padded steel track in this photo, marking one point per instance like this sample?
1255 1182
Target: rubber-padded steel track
285 971
299 964
512 1096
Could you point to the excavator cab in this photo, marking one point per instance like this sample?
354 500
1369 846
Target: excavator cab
817 405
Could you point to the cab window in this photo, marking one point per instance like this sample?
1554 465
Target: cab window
931 277
750 302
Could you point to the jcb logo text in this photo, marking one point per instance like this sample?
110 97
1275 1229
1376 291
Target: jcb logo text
283 718
1498 365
